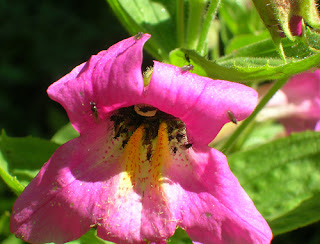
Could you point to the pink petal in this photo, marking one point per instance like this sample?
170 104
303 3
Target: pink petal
57 205
303 86
296 124
209 202
93 89
201 103
303 90
81 186
317 127
296 25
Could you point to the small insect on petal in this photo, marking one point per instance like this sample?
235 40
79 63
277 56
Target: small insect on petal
138 36
187 67
94 109
231 117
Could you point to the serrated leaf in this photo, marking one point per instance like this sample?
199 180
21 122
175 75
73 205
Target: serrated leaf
25 155
243 69
153 17
280 177
300 48
256 62
66 133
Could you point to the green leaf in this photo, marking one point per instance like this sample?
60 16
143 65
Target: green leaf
281 178
255 62
243 40
91 238
307 212
4 221
240 18
243 69
180 237
11 239
299 49
66 133
25 156
157 18
10 180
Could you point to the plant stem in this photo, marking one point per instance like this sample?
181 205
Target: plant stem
194 25
211 12
180 23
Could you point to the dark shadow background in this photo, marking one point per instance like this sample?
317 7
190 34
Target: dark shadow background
40 41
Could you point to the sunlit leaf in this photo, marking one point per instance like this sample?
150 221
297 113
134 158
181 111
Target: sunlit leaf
24 156
154 17
282 177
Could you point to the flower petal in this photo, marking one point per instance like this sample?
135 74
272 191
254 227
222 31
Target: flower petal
93 89
59 203
209 202
85 184
201 103
303 90
317 127
296 124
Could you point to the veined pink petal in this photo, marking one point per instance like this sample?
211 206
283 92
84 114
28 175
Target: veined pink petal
57 206
86 183
209 202
201 103
93 89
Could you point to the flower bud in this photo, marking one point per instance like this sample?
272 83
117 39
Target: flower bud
287 17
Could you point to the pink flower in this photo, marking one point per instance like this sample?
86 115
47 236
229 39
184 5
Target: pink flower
136 171
297 104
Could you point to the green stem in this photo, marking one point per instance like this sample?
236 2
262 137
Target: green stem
230 142
180 23
196 8
211 12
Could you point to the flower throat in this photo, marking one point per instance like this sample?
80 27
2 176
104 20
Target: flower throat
127 120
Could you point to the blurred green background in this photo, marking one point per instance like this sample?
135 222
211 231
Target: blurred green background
40 41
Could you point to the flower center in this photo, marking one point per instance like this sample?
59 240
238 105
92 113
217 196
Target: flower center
150 138
127 120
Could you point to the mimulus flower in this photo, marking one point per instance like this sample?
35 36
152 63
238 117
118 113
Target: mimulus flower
141 166
297 104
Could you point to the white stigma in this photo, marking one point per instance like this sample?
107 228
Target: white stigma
145 110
